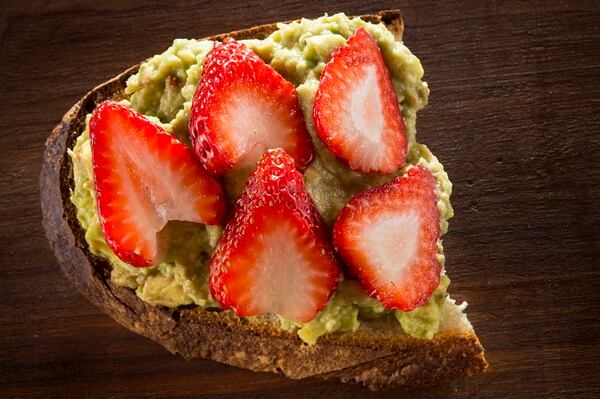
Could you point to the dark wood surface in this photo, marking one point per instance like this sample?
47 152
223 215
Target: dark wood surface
514 115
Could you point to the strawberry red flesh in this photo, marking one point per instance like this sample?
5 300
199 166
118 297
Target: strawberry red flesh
274 255
356 111
143 178
388 238
243 107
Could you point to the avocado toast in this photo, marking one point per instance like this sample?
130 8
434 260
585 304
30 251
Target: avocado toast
341 343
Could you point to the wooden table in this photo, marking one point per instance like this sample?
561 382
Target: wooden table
514 115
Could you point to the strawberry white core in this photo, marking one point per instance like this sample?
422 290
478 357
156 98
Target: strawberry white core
283 276
391 239
364 124
155 192
254 124
366 121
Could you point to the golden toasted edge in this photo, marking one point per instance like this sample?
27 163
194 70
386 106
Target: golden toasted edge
365 358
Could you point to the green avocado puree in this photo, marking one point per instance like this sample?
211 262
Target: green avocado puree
162 90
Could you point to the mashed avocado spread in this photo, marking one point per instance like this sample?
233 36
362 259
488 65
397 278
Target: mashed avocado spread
162 90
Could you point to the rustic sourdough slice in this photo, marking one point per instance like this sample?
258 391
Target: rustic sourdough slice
376 355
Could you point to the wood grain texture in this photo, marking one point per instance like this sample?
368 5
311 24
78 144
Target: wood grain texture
513 114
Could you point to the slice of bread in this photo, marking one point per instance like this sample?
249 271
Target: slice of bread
376 355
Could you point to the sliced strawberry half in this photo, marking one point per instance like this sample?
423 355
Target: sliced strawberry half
387 236
143 178
274 255
356 111
243 107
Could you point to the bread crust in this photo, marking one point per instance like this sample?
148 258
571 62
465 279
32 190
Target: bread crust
376 359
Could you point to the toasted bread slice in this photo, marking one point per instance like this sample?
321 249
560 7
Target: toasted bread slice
375 355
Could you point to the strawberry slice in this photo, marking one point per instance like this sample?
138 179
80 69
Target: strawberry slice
387 236
143 178
274 255
243 107
356 111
